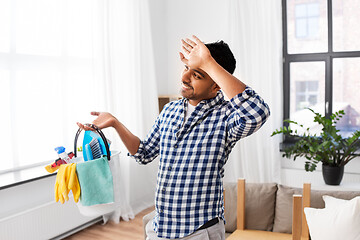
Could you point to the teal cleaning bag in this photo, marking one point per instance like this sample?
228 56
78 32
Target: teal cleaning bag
95 178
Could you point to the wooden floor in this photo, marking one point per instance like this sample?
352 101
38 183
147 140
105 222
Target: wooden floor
131 230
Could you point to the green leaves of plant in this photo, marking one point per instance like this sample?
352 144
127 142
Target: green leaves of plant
330 147
285 130
309 166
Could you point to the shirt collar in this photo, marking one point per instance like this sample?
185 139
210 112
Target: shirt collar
209 103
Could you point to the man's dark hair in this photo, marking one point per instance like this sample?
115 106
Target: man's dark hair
222 54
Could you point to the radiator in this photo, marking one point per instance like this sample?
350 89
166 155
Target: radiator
47 221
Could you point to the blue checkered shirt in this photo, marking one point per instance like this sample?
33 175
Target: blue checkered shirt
189 189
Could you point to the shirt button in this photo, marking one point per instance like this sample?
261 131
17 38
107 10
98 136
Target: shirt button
161 211
170 168
163 190
175 146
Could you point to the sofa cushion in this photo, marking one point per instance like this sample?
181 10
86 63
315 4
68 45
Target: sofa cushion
283 209
259 206
317 199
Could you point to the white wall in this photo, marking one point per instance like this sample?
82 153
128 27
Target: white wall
159 30
173 20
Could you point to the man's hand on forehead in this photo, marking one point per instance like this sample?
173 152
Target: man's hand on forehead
188 45
196 54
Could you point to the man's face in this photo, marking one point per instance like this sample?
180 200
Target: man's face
197 85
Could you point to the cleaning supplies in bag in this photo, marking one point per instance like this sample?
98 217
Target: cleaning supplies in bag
93 146
56 165
93 150
62 154
95 177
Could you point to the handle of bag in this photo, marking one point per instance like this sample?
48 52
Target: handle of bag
101 135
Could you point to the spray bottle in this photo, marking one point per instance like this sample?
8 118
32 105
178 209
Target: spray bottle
62 154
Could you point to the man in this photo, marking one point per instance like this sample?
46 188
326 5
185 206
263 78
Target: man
194 137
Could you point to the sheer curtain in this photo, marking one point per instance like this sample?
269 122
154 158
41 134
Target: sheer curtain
255 37
125 68
61 59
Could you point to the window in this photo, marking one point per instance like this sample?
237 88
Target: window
45 72
306 94
307 20
322 61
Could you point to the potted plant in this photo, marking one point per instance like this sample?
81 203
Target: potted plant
329 147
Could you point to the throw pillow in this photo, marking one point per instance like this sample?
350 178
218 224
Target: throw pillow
283 208
331 202
334 223
259 205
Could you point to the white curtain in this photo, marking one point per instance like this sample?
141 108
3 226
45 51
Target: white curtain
61 59
255 34
125 69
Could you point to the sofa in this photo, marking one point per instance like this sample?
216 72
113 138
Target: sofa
268 205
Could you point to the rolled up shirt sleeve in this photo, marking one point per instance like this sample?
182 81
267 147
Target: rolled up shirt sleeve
149 147
248 113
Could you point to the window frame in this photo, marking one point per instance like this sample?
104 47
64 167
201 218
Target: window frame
326 57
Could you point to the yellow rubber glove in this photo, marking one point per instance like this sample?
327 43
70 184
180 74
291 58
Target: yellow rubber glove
64 191
59 184
66 180
74 185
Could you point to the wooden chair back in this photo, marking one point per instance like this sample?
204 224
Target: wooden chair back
299 230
